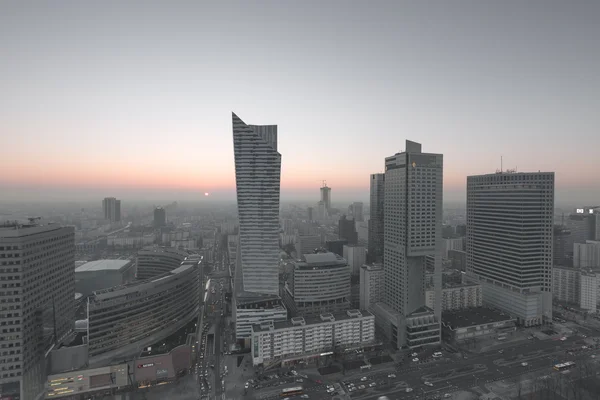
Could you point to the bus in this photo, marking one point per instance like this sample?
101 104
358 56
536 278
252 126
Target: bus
293 391
564 366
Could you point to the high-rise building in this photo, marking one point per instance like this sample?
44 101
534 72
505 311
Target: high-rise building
566 284
562 252
347 230
307 244
310 214
38 287
371 285
160 217
589 291
257 175
326 196
112 209
356 210
375 241
509 242
586 255
356 256
412 232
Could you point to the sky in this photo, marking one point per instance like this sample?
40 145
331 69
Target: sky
134 98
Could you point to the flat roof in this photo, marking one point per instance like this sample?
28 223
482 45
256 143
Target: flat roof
473 317
321 259
26 230
313 320
101 265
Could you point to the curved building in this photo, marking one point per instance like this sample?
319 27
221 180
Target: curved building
153 261
320 283
124 319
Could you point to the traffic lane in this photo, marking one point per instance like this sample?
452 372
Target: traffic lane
217 369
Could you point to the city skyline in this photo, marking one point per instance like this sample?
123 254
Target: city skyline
102 102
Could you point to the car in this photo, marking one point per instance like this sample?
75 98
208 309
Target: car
361 387
413 355
524 364
415 359
408 390
447 395
363 379
437 354
391 375
372 384
351 389
304 396
562 339
428 384
501 352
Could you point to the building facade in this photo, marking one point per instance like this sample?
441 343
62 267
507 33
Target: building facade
160 217
307 244
301 337
326 197
37 290
586 255
566 284
371 285
457 297
563 254
589 291
103 274
153 261
509 242
112 209
347 230
356 210
257 176
356 256
319 283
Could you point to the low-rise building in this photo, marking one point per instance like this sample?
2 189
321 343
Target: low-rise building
456 296
474 323
311 337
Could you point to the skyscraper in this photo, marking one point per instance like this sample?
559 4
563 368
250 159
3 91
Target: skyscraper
347 230
112 209
257 176
509 241
375 253
356 210
160 217
413 229
326 196
38 285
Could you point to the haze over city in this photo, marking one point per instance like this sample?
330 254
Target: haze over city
134 98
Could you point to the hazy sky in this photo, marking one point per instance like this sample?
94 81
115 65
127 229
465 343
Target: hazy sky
122 98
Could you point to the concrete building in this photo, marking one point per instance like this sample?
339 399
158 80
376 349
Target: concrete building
563 254
160 217
103 274
457 297
131 240
566 284
452 244
112 209
126 318
371 285
306 244
582 225
589 291
336 246
322 213
356 257
249 313
586 255
153 261
458 259
319 283
356 211
88 381
38 288
476 323
412 232
311 338
377 193
257 174
232 244
509 242
310 214
347 230
326 197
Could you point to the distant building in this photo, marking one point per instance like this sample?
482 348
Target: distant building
326 197
506 210
566 284
371 285
311 338
347 230
377 192
582 226
319 283
103 274
461 230
561 242
160 217
38 288
586 255
457 297
306 244
336 246
356 256
452 244
310 214
112 209
356 210
458 258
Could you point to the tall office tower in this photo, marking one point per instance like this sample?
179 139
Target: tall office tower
356 210
326 196
160 217
562 252
257 175
38 288
310 211
322 212
509 242
375 251
412 233
112 209
347 230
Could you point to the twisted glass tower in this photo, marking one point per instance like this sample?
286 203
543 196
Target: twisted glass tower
257 176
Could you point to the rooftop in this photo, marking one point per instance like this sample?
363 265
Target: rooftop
16 231
473 316
322 259
101 265
302 321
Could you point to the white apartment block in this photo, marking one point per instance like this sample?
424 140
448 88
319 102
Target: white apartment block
457 297
308 337
371 285
589 291
356 256
510 232
566 284
586 255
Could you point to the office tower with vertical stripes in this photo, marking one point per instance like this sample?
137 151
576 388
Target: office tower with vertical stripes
509 242
375 241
